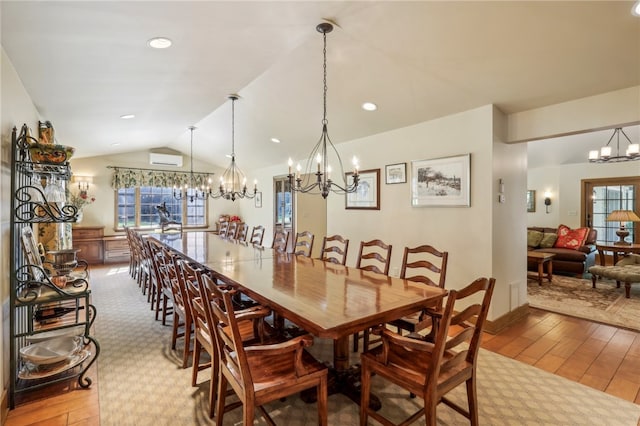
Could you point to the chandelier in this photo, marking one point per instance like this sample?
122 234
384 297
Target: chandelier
323 152
604 155
190 190
233 183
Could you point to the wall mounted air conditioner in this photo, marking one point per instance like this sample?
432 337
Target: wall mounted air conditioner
165 159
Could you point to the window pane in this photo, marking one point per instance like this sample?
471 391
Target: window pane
607 199
149 199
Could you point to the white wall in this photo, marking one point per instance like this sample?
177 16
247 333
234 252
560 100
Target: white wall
465 232
17 108
565 184
102 212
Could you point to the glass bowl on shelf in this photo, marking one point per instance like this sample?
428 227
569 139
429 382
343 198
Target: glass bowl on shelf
51 351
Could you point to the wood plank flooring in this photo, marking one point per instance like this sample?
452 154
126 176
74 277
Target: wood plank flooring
600 356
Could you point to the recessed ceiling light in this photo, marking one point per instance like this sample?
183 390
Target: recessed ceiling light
275 140
115 144
159 42
636 8
127 116
369 106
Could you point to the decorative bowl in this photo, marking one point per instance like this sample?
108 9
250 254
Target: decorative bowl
61 257
51 351
50 154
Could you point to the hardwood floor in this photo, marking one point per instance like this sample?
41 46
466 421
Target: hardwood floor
600 356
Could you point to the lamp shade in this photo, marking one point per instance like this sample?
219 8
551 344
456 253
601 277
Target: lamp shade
623 216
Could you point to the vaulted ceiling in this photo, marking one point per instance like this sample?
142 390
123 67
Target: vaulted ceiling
85 64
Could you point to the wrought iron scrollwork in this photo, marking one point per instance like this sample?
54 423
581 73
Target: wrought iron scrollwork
31 206
32 279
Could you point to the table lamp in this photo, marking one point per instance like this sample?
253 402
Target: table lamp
622 216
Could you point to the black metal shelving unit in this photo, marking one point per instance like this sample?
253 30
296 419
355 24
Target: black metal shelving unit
32 287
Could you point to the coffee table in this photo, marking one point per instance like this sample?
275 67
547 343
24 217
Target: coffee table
542 258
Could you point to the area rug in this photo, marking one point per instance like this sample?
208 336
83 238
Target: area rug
576 297
140 381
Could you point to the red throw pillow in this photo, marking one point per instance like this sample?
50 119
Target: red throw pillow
571 238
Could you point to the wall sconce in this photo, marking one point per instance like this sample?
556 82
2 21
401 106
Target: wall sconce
83 182
547 200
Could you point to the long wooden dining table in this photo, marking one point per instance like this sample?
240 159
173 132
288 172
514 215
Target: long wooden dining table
327 300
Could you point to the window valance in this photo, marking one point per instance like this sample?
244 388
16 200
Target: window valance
128 177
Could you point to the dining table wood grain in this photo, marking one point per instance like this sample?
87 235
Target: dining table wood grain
325 299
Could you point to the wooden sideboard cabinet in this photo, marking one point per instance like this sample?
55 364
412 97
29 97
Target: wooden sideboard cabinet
116 249
89 240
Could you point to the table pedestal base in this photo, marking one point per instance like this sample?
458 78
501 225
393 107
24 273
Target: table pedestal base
344 382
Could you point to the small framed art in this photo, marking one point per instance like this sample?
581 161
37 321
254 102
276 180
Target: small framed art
395 173
367 195
258 199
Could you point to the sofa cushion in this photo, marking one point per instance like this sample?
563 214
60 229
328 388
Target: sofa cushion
534 238
571 238
548 240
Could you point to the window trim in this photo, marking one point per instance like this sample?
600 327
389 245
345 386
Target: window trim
138 214
586 203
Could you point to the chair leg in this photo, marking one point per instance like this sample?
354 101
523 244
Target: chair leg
174 333
197 348
472 401
220 397
322 402
365 389
187 342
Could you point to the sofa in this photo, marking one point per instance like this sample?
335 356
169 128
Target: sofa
571 261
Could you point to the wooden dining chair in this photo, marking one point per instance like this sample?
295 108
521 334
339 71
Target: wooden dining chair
232 231
431 370
374 256
261 374
182 318
334 249
424 264
243 230
160 291
303 244
280 241
257 235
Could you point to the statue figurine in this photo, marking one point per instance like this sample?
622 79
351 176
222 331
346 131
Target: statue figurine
166 223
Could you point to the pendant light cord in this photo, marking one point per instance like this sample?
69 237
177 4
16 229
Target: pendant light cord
324 53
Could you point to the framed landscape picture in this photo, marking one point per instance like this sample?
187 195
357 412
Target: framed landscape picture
367 195
531 201
395 173
258 200
441 182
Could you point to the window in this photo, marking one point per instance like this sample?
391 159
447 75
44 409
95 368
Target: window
602 196
137 207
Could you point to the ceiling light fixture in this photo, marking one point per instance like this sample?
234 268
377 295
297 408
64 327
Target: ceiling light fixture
369 106
190 190
127 116
323 184
636 8
604 155
275 140
233 183
159 42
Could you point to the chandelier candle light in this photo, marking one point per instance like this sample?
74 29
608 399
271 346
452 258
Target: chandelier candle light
233 183
191 190
323 184
604 155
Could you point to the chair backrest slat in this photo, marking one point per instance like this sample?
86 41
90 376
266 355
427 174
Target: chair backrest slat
334 249
374 256
303 245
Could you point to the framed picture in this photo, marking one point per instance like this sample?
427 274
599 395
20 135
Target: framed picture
258 199
441 182
395 173
531 201
367 195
